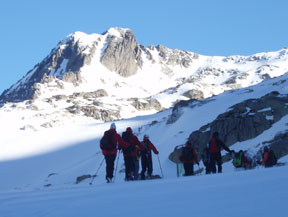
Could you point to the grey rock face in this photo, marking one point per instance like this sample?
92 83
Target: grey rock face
243 121
194 94
145 106
51 65
92 111
177 109
175 56
122 55
89 95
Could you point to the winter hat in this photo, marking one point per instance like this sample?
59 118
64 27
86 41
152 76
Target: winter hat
113 126
146 136
129 130
215 134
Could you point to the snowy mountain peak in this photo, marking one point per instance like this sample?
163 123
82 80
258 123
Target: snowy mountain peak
115 77
117 32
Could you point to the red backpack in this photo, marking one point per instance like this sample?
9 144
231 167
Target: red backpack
107 143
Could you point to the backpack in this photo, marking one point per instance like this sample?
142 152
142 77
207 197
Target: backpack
187 154
106 142
213 147
237 160
146 151
126 136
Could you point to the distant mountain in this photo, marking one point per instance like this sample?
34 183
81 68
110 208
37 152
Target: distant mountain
110 76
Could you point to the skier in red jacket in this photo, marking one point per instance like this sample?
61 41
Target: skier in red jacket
109 144
130 154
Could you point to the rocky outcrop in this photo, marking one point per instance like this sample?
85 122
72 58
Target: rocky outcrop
145 105
243 121
89 95
122 54
194 94
64 63
92 111
177 109
175 56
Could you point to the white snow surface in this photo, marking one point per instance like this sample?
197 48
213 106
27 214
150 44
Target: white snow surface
31 160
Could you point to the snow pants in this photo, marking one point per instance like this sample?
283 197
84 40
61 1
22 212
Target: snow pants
129 167
189 169
146 163
215 158
110 165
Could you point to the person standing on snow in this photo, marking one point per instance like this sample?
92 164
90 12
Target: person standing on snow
146 157
215 146
109 144
130 154
188 156
269 158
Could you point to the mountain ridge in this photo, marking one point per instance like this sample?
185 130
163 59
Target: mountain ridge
117 50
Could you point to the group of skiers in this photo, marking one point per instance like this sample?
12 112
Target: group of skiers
211 156
133 150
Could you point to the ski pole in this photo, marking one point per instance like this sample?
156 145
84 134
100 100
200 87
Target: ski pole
160 166
97 171
116 166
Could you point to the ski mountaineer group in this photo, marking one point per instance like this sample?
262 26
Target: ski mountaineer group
132 150
211 157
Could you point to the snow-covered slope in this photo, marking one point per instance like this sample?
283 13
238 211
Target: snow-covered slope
253 193
72 151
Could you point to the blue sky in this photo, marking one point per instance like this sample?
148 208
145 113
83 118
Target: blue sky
31 28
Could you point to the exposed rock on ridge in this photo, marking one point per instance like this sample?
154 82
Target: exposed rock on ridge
123 54
243 121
